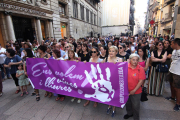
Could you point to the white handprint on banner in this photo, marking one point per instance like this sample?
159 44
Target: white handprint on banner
103 88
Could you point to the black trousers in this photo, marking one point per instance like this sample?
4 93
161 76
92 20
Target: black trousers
15 79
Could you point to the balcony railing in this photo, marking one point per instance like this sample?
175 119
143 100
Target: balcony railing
155 6
168 16
168 1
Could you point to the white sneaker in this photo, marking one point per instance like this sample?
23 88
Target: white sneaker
79 101
72 100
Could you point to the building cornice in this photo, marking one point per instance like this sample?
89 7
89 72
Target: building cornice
19 6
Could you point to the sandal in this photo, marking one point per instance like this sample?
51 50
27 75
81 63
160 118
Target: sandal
22 94
32 94
95 104
87 103
50 95
37 97
17 91
57 98
46 94
27 93
62 99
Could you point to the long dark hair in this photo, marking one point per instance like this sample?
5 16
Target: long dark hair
29 53
72 52
85 45
97 50
158 44
57 53
169 47
144 52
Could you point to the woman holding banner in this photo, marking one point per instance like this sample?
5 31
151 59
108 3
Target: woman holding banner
57 55
136 75
95 58
42 54
113 50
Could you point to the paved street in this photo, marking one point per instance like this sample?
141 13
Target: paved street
14 107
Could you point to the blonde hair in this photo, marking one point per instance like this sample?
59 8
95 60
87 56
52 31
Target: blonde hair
72 46
114 47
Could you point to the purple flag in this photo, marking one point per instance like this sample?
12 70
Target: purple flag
100 82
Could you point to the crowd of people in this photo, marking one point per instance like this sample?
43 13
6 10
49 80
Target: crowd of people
148 59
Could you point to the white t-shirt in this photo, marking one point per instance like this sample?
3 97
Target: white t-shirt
99 60
61 58
2 56
175 64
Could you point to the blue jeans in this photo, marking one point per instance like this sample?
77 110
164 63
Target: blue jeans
2 71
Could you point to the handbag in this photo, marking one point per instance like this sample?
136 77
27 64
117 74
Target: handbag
162 68
144 94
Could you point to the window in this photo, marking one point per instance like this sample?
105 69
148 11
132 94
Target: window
82 12
75 9
91 17
44 0
94 19
87 15
62 9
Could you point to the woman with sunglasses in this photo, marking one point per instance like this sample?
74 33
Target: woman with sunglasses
122 52
156 79
95 58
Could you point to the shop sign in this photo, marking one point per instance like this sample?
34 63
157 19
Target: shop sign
63 26
8 6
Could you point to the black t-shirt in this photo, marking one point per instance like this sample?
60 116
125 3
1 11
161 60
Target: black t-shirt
85 57
128 51
169 51
75 46
125 57
159 57
79 54
102 57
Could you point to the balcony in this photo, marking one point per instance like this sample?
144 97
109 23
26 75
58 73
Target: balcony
155 6
168 17
168 1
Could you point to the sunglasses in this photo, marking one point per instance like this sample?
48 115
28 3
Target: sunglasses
160 45
67 47
93 51
120 47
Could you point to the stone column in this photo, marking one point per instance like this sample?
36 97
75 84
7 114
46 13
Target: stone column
51 28
39 31
10 29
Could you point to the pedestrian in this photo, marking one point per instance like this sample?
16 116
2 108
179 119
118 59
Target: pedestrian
156 79
2 59
136 77
113 50
23 81
174 74
95 59
11 62
122 52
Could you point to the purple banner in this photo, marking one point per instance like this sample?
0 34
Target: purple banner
100 82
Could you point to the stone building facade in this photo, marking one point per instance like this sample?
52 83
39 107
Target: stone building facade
38 19
83 18
163 14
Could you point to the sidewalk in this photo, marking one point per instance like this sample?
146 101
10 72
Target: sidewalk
14 107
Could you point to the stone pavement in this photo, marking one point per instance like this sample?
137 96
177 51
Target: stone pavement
14 107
